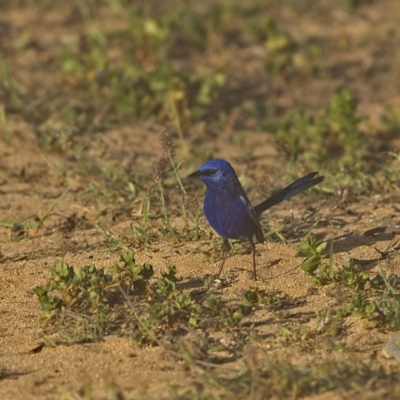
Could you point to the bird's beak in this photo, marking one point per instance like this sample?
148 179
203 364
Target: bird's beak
194 174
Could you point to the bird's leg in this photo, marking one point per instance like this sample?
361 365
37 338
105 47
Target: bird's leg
253 249
227 247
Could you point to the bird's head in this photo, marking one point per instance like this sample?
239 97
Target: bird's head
215 173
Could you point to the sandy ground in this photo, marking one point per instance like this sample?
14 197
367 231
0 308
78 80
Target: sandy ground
29 186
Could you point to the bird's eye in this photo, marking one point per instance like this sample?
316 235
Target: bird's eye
211 172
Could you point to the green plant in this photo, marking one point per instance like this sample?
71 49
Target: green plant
376 298
330 140
131 274
313 249
78 301
388 306
267 376
252 298
82 288
166 285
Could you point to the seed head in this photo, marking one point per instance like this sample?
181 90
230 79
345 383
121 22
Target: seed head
167 142
159 167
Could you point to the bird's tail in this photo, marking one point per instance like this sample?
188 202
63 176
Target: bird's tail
294 188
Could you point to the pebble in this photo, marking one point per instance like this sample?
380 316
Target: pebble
392 348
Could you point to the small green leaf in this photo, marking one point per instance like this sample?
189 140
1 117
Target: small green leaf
319 249
213 301
310 265
251 298
306 249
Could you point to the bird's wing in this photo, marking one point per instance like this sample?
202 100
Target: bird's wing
253 220
250 214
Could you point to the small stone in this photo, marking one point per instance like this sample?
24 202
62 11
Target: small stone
392 348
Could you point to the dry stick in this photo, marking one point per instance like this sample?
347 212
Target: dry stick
51 208
8 136
178 124
63 194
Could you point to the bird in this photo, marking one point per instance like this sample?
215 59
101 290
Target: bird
228 209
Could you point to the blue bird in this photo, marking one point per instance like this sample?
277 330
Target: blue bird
229 211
